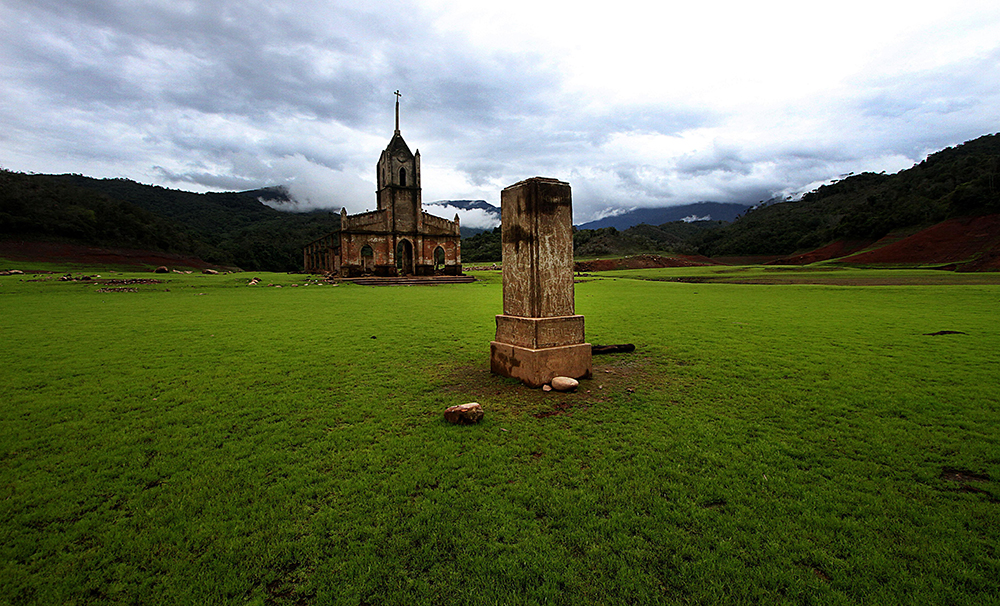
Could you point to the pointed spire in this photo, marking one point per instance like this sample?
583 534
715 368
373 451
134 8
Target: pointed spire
397 110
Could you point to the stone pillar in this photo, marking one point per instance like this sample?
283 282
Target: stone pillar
539 336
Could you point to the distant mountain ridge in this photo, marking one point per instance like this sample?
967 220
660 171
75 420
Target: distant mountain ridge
698 211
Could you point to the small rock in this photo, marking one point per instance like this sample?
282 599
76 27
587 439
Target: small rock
210 272
546 388
464 414
564 384
161 270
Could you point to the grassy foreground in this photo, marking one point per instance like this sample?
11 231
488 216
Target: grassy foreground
205 442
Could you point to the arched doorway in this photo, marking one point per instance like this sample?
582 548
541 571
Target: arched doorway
438 258
367 259
404 258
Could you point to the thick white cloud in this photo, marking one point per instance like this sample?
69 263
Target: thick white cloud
468 217
635 104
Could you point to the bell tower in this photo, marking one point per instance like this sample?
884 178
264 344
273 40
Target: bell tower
398 177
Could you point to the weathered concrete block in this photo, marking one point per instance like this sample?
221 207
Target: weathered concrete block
537 247
539 336
536 333
536 367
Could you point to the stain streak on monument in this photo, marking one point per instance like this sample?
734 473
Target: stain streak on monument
539 336
398 238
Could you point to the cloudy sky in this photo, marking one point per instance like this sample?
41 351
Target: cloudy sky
634 103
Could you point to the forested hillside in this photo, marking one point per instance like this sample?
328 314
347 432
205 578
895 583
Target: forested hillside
670 237
225 228
707 211
47 207
954 182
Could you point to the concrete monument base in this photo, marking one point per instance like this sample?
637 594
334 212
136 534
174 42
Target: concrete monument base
539 333
537 367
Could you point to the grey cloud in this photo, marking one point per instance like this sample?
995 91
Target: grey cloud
647 119
217 58
715 160
644 183
481 172
749 193
225 181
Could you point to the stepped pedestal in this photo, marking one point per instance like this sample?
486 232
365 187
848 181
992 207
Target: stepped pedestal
539 336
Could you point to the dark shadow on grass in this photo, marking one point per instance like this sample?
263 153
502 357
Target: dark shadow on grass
965 479
618 375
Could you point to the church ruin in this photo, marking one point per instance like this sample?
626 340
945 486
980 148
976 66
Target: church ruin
396 239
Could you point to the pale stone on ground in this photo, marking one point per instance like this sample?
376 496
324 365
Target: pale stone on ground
564 384
464 414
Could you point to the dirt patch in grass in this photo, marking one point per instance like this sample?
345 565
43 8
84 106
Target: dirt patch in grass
952 241
746 259
819 572
130 281
616 375
962 475
967 481
833 250
641 262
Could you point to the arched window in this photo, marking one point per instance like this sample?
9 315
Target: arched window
404 257
438 258
402 176
367 258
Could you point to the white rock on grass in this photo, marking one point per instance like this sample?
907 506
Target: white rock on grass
564 384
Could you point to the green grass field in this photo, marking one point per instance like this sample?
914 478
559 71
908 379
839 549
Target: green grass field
201 441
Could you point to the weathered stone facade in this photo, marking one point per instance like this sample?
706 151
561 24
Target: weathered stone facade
398 238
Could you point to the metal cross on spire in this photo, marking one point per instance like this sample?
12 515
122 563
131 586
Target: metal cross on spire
397 109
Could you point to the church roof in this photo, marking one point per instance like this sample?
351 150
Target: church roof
397 145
